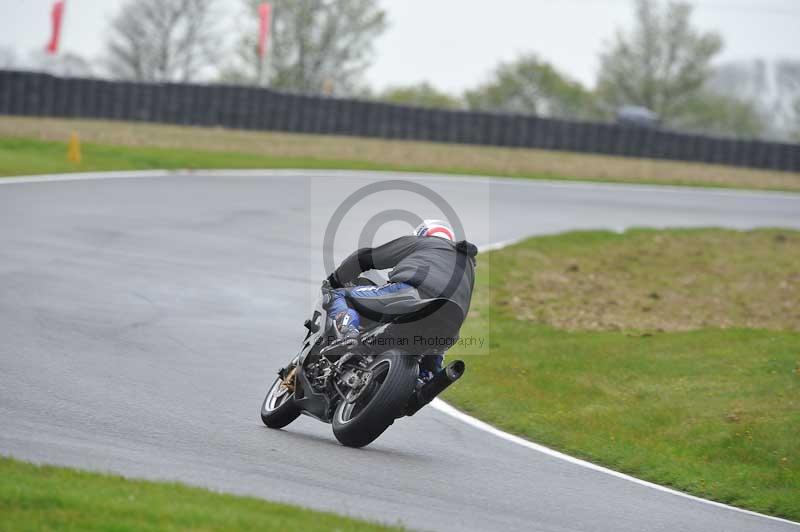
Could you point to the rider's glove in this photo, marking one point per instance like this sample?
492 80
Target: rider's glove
333 282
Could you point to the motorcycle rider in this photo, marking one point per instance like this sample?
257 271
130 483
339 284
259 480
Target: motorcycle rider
428 264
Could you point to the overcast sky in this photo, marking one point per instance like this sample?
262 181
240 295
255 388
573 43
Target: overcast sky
455 43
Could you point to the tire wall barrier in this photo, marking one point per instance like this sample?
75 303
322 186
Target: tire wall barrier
37 94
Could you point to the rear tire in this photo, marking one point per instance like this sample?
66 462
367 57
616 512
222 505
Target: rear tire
395 375
278 408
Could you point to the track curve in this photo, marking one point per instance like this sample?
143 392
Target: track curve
135 312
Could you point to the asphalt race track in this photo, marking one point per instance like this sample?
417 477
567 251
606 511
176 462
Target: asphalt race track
141 318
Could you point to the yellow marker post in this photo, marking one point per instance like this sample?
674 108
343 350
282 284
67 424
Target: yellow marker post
74 151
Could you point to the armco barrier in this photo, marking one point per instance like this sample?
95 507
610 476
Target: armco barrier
36 94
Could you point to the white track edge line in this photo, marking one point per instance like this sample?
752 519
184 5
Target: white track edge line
451 411
495 180
437 403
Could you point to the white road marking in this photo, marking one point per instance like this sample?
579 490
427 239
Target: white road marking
511 181
83 176
451 411
438 404
445 408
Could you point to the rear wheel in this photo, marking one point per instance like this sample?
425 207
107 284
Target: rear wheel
278 408
394 375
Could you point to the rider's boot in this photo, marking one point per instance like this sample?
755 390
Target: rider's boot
348 331
429 367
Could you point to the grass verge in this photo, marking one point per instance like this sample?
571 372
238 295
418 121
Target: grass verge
711 410
54 498
27 157
186 146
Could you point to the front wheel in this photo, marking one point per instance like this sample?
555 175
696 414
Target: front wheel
394 375
278 408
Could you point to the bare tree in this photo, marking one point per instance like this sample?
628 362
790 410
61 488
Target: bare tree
794 128
62 64
787 98
315 46
745 80
164 40
773 88
662 64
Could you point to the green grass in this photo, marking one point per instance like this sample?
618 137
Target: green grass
711 411
20 157
29 157
169 147
55 498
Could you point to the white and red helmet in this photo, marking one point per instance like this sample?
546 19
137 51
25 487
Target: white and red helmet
438 228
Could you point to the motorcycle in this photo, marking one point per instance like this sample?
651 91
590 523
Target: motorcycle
359 390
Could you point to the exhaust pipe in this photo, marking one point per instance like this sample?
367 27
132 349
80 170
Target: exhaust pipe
450 374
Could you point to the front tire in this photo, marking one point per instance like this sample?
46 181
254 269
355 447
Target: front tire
278 408
360 423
